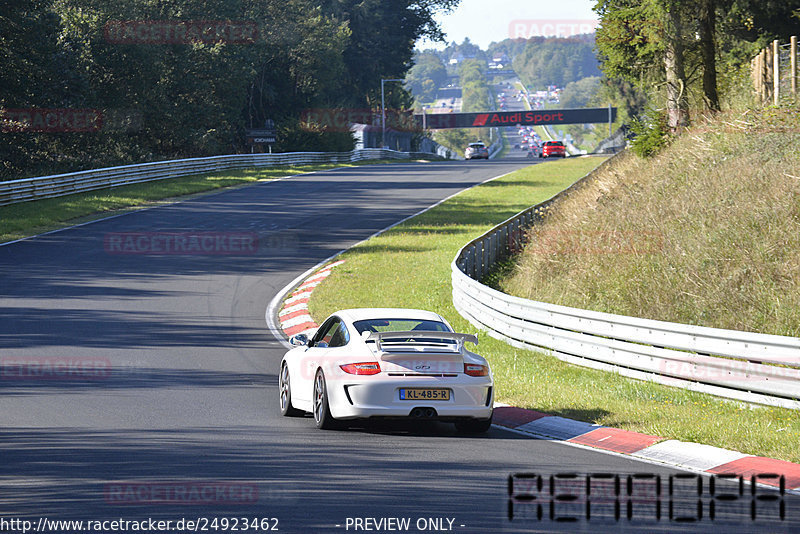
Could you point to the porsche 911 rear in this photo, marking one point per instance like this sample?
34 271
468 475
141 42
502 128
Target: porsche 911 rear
414 374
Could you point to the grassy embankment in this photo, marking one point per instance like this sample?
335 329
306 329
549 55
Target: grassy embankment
30 218
707 233
724 206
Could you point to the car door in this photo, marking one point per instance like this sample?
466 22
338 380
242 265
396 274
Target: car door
314 357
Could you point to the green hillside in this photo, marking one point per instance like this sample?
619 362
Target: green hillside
707 232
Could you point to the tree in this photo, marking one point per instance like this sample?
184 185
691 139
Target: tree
674 67
708 46
382 41
556 61
579 94
665 43
165 99
644 42
427 74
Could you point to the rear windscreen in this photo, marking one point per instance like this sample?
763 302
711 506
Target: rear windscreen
399 325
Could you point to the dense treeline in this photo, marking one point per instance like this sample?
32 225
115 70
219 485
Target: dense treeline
474 87
160 96
556 61
688 54
426 76
510 47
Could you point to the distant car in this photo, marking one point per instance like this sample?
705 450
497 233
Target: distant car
476 151
553 149
386 363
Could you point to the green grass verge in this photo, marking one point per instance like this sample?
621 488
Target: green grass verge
409 266
38 216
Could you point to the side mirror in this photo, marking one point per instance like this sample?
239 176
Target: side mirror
299 340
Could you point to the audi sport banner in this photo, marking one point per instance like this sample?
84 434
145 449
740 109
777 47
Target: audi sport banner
439 121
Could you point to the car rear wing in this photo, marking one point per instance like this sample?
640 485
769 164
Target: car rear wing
420 336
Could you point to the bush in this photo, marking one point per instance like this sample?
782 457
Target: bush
650 133
297 137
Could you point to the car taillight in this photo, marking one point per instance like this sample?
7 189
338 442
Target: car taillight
473 369
366 368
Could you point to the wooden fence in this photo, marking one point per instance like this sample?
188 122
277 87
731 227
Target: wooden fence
774 72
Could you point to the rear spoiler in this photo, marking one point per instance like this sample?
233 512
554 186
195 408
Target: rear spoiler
378 337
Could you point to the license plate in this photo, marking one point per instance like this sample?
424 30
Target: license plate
424 394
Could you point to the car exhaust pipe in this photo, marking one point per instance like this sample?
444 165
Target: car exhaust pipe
423 413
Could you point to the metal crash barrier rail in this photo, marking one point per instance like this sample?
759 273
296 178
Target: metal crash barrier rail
744 366
66 184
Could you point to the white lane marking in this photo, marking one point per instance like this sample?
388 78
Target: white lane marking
310 285
291 309
298 296
694 455
294 321
272 308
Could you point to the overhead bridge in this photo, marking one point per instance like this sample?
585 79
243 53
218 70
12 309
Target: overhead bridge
494 119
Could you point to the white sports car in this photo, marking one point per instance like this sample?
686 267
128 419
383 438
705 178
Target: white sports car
388 363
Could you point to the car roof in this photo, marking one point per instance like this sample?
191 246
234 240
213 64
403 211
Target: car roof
360 314
477 144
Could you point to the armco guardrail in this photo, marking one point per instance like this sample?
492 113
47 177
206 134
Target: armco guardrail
66 184
497 146
737 365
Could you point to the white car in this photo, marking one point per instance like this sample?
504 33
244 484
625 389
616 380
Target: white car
476 151
387 363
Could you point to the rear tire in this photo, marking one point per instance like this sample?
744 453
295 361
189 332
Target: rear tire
322 410
285 389
474 426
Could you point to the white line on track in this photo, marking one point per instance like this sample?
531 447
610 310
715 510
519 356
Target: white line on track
271 313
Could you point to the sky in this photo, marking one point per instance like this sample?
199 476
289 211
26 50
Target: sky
484 21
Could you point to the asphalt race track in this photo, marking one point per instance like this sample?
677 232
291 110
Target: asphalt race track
181 420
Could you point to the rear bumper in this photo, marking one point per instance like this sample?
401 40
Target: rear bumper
470 397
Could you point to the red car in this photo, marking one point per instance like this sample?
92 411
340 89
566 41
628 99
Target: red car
553 148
